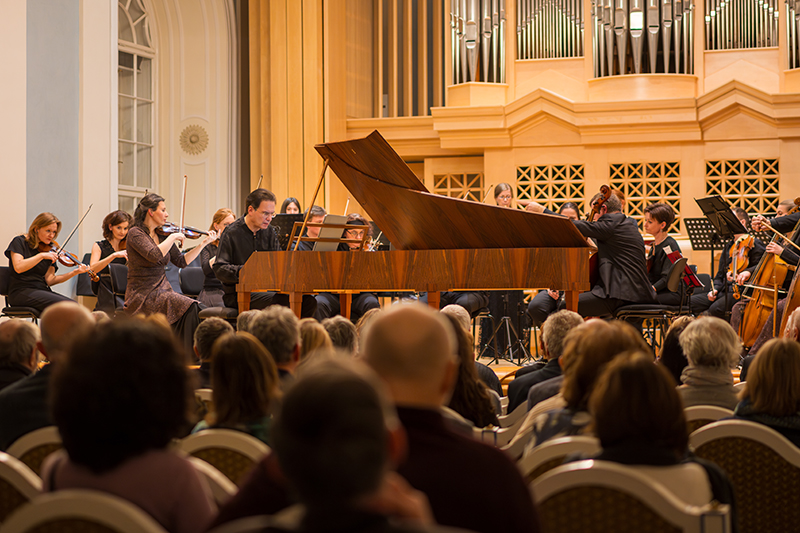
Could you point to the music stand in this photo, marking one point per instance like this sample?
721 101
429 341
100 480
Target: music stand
283 223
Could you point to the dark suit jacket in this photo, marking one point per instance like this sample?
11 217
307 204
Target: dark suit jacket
518 389
621 259
13 373
786 224
24 407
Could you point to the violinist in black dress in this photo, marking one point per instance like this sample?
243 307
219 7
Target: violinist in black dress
211 295
33 265
110 250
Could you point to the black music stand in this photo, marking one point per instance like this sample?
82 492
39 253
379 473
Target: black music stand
283 223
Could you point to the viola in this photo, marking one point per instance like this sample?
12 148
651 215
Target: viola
65 258
739 259
169 228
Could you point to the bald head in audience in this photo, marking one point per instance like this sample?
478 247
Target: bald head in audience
61 324
413 349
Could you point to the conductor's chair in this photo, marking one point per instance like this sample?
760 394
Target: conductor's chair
599 496
18 485
233 453
81 510
34 447
14 311
658 315
192 279
764 468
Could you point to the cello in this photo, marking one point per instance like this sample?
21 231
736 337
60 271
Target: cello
767 278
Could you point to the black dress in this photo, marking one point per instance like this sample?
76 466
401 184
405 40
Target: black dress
29 288
211 295
106 300
659 266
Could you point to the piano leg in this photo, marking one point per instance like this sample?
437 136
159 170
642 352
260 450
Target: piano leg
296 302
345 304
244 301
434 297
571 299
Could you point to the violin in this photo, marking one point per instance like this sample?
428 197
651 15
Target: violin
66 258
739 259
169 228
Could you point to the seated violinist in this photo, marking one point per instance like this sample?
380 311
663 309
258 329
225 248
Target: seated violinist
720 300
110 250
658 217
33 261
327 303
622 267
787 253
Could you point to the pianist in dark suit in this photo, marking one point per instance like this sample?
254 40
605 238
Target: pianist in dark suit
247 234
622 267
328 303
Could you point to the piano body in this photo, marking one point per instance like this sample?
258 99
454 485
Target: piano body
442 243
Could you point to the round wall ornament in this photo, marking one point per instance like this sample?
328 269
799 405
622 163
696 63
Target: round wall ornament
194 139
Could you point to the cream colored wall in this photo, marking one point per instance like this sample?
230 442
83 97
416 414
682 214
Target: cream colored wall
195 68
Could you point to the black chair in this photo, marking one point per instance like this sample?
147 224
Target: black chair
14 311
191 279
659 315
83 287
119 280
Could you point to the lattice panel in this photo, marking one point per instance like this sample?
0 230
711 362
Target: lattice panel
552 185
647 183
465 186
752 184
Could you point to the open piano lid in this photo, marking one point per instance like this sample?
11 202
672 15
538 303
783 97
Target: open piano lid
415 219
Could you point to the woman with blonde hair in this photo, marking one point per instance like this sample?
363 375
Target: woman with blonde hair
313 337
33 266
211 295
244 379
771 394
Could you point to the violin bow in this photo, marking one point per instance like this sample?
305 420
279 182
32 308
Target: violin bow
71 233
183 202
258 186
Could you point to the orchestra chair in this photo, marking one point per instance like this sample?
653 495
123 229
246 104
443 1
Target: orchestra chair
551 454
83 285
192 279
119 281
87 511
234 453
659 315
764 468
14 311
18 485
34 447
222 488
600 496
698 416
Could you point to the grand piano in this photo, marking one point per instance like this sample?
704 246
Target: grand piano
442 243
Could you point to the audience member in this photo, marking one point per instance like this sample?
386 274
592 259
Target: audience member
486 374
470 397
313 337
205 335
366 319
18 353
712 349
278 329
244 380
771 395
638 417
24 404
342 333
412 348
554 329
118 400
588 349
672 357
244 319
342 469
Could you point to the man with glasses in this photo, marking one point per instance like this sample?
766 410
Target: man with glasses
252 233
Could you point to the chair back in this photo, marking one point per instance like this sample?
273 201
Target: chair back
764 468
222 488
5 279
18 485
500 436
551 454
34 447
81 510
511 418
192 279
675 274
119 278
233 453
598 496
698 416
83 287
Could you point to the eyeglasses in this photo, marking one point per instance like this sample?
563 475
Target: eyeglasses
266 214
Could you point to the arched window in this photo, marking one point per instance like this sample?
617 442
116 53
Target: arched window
136 104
